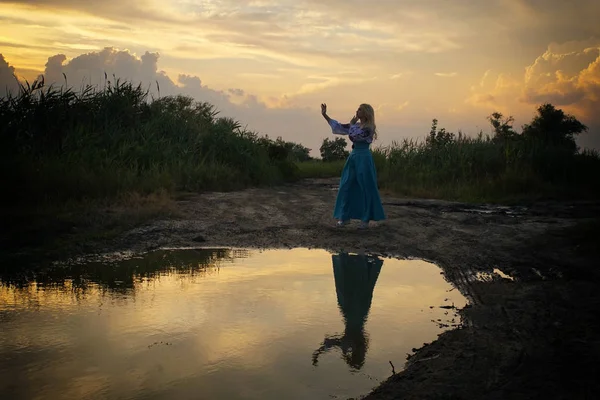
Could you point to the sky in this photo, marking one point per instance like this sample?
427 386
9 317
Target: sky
270 64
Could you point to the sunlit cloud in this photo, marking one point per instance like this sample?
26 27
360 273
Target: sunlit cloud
446 74
402 106
567 78
8 81
401 75
494 92
324 82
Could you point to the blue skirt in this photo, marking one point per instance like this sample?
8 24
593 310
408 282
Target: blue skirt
358 195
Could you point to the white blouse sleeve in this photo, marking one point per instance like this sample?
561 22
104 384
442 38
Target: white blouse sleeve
337 128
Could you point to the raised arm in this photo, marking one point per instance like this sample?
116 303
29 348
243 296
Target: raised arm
324 113
336 127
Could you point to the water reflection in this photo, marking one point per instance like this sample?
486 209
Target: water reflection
355 278
172 324
122 276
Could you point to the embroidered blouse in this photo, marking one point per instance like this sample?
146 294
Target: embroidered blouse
354 131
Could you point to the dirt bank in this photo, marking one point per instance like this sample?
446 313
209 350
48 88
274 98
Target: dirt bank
531 334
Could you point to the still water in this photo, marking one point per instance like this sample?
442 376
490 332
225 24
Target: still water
218 324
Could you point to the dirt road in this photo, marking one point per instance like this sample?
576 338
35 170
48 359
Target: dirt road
530 334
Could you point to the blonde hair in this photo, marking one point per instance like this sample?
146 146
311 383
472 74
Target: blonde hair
369 120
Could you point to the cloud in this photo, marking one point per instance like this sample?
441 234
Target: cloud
485 99
446 74
566 76
402 106
93 68
324 82
236 92
309 32
494 92
8 81
390 111
326 36
142 10
398 75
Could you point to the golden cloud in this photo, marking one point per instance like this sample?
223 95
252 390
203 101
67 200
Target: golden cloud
568 79
494 94
446 74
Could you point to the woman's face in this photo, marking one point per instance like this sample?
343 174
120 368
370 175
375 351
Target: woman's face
359 113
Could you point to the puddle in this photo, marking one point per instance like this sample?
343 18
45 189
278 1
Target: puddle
220 324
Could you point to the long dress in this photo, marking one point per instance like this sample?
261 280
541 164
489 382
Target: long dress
355 278
358 195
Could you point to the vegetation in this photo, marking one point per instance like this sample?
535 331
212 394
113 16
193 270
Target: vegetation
58 145
85 165
130 272
540 162
334 150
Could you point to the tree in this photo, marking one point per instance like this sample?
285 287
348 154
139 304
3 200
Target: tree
503 127
279 149
553 127
438 138
333 150
299 152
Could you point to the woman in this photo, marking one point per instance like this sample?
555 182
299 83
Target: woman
358 195
355 276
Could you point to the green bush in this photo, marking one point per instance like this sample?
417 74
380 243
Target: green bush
58 145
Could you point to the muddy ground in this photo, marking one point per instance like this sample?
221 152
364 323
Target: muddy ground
530 334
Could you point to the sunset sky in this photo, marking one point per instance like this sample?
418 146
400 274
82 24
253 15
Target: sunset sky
270 63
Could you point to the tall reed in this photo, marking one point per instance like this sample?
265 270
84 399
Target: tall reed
58 144
480 168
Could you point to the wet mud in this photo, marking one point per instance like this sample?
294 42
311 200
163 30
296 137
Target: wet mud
530 272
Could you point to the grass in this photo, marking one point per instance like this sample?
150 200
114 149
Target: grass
104 159
479 169
52 231
60 145
320 169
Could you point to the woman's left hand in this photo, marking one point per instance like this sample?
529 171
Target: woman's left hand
354 120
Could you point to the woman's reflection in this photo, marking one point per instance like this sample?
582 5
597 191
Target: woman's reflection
355 278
